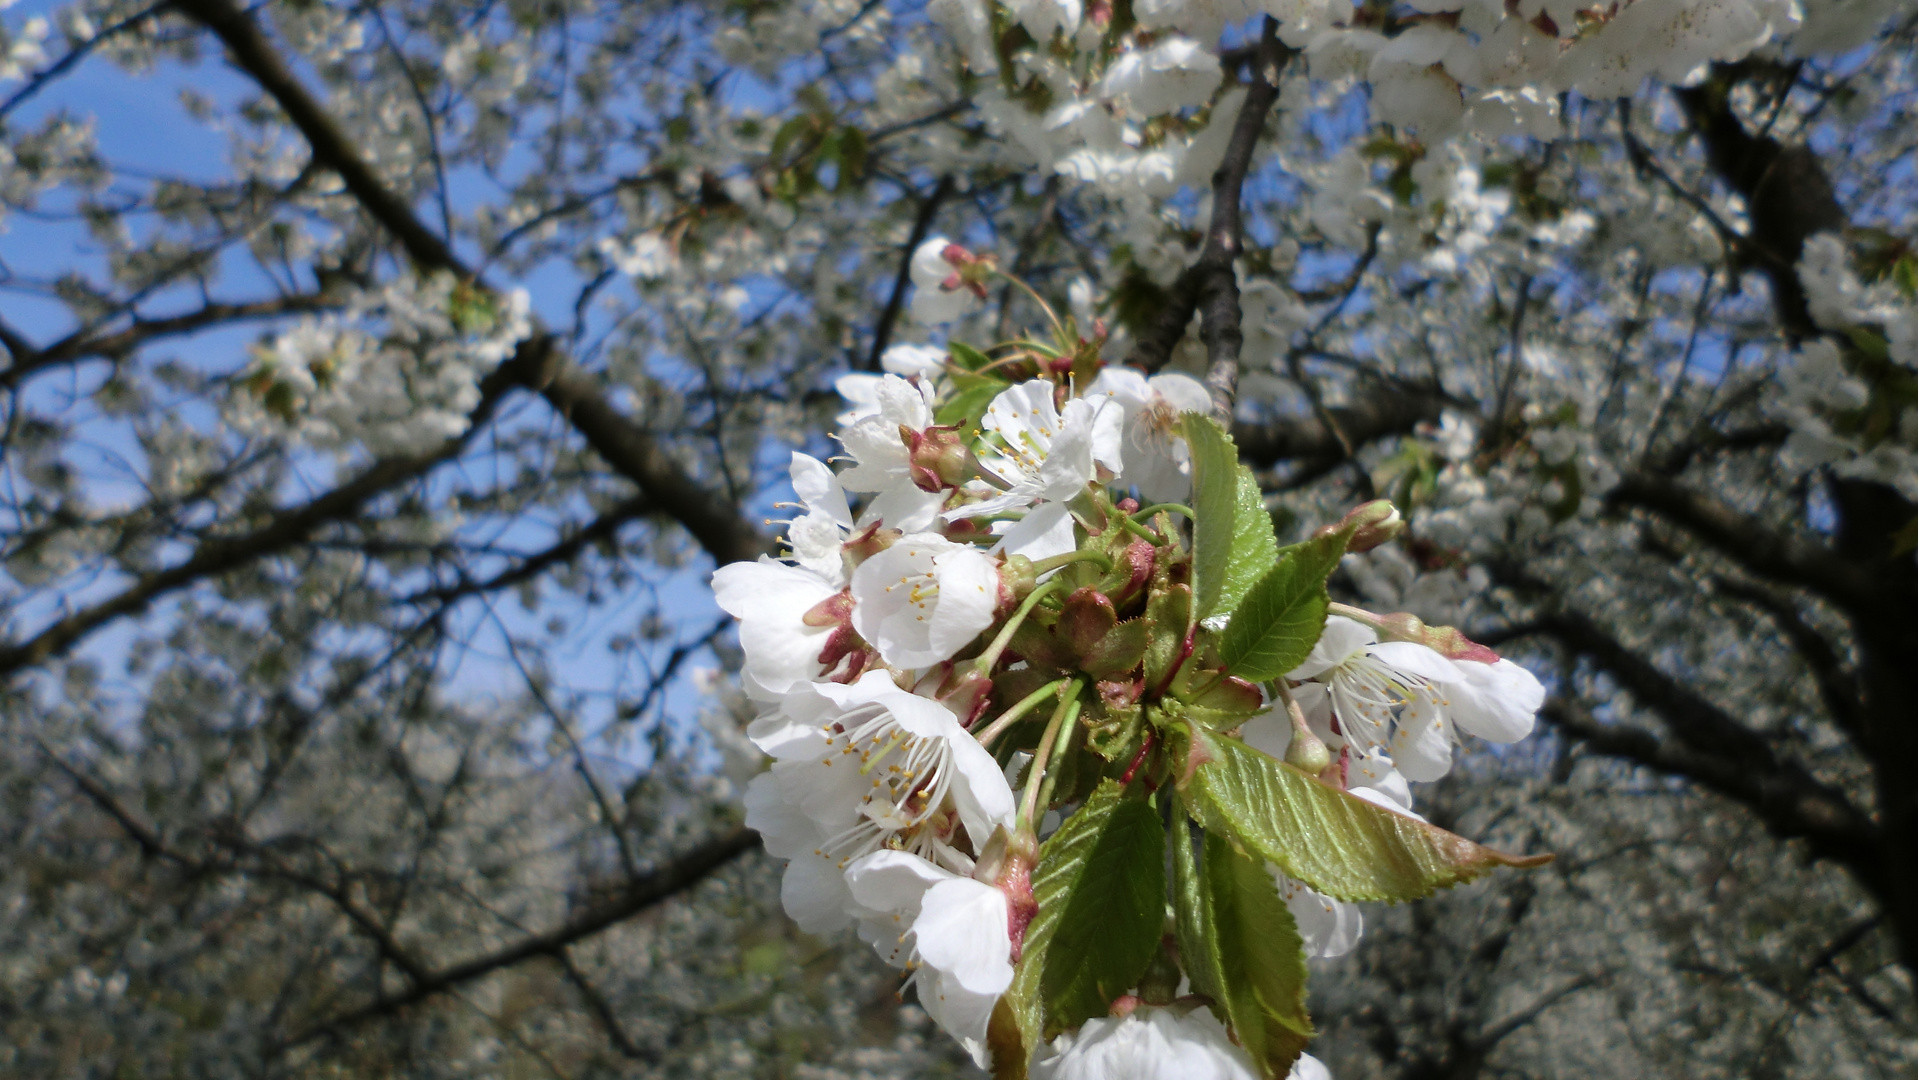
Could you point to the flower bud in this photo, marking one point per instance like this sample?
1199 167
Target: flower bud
1306 751
1017 579
1447 641
939 457
868 542
1006 864
1367 526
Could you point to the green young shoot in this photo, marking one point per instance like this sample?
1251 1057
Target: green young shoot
1029 800
1040 566
1019 709
993 651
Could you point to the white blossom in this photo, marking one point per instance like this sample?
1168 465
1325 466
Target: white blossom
938 296
1360 681
924 598
862 767
883 459
951 931
771 600
1155 457
1147 1044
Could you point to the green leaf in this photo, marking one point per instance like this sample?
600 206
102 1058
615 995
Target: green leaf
1905 273
1337 843
1215 491
1281 617
852 158
1254 549
1170 614
1241 948
972 394
1100 886
1102 878
967 357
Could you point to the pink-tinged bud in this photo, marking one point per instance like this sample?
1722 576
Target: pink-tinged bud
1017 579
1124 1005
1337 773
1006 864
834 610
1444 640
1129 505
1367 526
1136 563
938 455
1085 619
967 691
970 272
868 542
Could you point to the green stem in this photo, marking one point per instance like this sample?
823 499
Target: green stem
1041 566
1025 705
1029 801
1052 316
1139 530
1059 745
999 643
1177 508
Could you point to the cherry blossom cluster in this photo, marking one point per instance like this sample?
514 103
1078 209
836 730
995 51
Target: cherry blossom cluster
1131 99
396 371
997 643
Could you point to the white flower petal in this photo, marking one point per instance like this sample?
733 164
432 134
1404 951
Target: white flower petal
1045 531
1498 701
1342 638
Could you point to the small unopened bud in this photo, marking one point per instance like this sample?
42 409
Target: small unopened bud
1367 526
1006 864
1307 751
1017 579
868 542
970 272
938 456
1160 983
967 691
1447 641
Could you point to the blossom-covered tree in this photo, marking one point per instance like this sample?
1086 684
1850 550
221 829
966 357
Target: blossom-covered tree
1203 418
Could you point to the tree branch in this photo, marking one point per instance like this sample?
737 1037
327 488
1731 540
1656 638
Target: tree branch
662 884
1312 441
218 554
921 225
1752 544
1791 810
1216 287
1212 281
714 523
82 344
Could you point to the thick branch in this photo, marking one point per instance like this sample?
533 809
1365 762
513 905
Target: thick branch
662 884
713 522
1311 441
1211 285
1834 831
1788 194
258 58
1752 544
